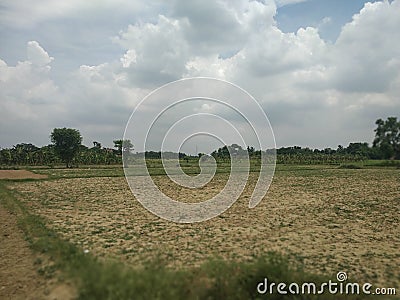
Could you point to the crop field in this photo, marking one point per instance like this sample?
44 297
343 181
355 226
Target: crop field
324 219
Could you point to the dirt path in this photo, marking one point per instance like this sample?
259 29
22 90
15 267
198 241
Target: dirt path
19 278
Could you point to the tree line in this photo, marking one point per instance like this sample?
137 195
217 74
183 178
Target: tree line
297 154
386 145
66 147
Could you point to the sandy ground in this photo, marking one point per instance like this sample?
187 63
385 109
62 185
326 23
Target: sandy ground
19 174
331 221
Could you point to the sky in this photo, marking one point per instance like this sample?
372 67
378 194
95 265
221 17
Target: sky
323 71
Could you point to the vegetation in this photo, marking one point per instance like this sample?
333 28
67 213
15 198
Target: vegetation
66 143
66 147
124 148
387 138
30 155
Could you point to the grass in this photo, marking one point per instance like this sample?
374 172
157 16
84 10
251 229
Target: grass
383 163
215 279
350 166
191 167
154 170
96 279
86 172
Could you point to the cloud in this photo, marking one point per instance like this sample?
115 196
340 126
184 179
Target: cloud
29 81
129 58
274 52
16 13
366 56
29 97
317 93
160 51
281 3
208 24
37 55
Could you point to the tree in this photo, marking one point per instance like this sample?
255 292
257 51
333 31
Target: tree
23 153
358 148
124 148
250 150
387 137
96 145
67 142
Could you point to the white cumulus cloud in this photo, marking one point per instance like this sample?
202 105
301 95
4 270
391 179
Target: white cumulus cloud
316 93
37 55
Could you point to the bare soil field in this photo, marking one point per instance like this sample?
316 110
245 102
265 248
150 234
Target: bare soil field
19 174
329 220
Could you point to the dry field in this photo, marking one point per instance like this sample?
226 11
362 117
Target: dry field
329 220
19 174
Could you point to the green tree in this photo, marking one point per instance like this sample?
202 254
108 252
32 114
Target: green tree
358 148
250 150
387 137
96 145
67 142
124 148
22 153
